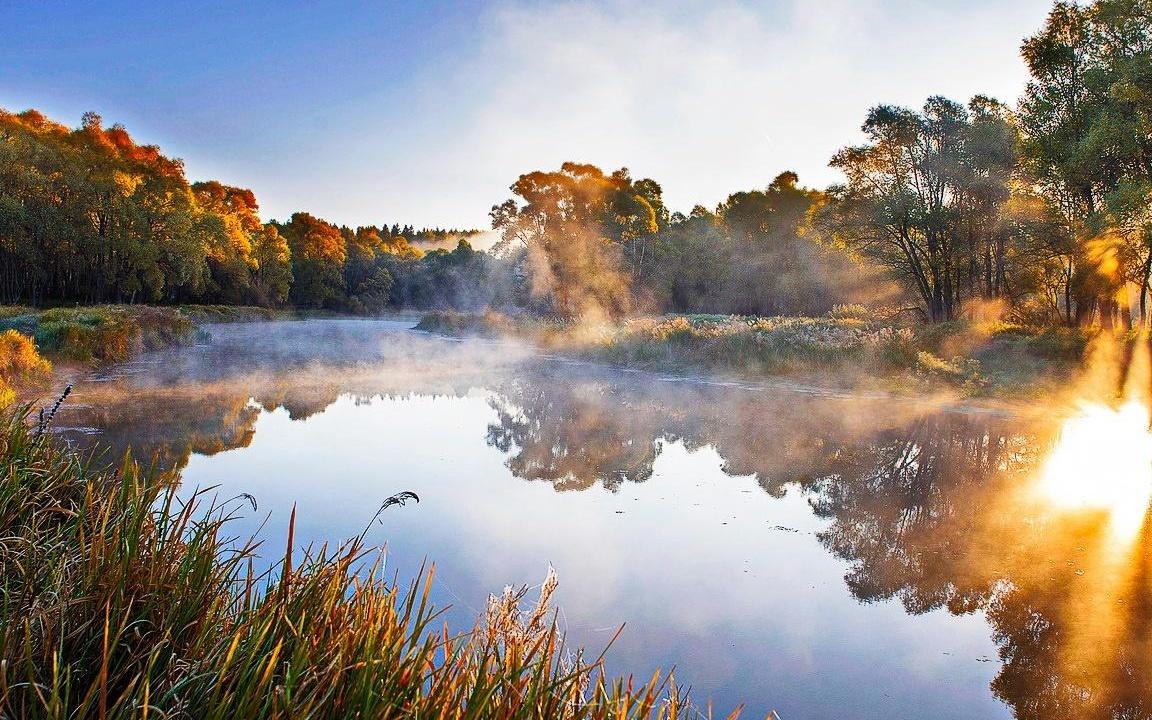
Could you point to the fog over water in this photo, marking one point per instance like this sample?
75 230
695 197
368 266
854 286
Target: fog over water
816 553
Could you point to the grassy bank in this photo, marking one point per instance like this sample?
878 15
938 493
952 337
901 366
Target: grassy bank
847 347
102 333
120 600
31 339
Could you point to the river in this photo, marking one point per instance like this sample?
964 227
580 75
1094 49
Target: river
815 553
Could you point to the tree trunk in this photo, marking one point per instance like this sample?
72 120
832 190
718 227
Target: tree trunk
1144 290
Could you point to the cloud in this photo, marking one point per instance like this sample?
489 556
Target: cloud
707 99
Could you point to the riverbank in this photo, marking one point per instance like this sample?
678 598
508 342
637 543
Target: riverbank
120 597
847 349
102 333
36 341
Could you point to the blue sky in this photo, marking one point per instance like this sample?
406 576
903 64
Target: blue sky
425 112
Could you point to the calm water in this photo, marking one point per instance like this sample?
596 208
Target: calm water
816 554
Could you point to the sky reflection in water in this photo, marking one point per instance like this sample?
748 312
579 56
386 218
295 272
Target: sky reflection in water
822 556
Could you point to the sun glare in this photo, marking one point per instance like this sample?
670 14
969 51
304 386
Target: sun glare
1103 461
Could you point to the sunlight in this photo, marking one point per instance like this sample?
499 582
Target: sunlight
1103 461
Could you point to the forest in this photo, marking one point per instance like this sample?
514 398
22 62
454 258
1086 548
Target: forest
1042 211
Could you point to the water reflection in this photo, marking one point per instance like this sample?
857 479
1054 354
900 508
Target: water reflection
937 515
924 507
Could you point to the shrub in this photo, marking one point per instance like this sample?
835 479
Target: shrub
8 312
850 312
1060 343
957 371
449 322
19 360
230 313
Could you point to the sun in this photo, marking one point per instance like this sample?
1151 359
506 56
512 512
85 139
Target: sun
1103 461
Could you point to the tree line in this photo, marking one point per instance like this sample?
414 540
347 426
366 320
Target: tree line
1043 210
89 215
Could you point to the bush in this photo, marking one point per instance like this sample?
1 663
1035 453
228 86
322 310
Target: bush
453 323
19 360
8 312
230 313
850 312
1060 343
958 371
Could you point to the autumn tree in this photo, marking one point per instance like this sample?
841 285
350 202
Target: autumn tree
318 252
88 214
573 230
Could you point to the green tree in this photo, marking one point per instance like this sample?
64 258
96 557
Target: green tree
778 269
1087 123
272 257
922 196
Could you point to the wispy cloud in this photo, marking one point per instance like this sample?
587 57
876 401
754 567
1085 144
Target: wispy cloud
706 99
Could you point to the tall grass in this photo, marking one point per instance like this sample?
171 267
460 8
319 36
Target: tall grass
118 599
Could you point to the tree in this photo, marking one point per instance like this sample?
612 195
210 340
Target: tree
1087 123
232 225
694 264
272 279
777 269
571 228
922 196
318 254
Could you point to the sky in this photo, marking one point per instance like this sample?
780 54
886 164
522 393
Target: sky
424 113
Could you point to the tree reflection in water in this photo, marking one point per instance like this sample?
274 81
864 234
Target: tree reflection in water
928 508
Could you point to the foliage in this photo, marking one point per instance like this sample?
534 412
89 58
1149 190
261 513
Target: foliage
88 215
1039 215
595 245
1086 116
572 230
230 313
958 371
121 600
923 197
768 344
458 324
19 360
